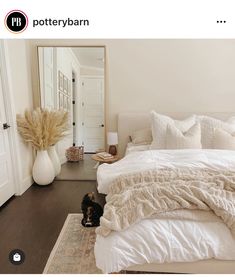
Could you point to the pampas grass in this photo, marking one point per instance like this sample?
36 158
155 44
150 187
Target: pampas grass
43 128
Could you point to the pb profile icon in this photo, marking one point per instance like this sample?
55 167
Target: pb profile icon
16 21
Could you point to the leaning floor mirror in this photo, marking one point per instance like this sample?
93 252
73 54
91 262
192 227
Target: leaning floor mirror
73 79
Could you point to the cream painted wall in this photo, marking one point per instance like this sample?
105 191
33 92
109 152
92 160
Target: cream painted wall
165 75
19 65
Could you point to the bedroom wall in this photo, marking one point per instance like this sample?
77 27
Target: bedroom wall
166 75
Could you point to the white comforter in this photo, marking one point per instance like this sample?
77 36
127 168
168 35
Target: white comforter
144 160
173 238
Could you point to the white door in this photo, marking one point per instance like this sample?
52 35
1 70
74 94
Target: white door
93 113
46 58
6 170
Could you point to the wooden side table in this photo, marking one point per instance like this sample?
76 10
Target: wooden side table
99 160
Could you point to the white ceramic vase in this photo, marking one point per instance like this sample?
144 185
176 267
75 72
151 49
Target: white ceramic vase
54 159
43 170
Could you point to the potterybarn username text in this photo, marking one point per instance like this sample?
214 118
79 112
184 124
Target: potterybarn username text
60 22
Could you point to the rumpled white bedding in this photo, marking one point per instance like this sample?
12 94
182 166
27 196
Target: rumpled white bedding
172 237
180 158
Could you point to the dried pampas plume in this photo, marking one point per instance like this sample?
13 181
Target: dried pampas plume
43 128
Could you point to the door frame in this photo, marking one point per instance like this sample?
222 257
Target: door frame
11 117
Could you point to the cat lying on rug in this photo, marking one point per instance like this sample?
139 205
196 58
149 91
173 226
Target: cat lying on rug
92 211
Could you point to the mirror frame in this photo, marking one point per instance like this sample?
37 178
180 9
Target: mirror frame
37 101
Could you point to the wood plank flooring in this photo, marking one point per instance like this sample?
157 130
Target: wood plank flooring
33 221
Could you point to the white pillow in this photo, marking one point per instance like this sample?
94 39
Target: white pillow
136 148
223 140
208 127
143 136
191 139
159 125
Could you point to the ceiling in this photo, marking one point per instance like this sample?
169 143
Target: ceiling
90 56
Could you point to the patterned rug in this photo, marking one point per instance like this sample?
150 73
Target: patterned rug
74 249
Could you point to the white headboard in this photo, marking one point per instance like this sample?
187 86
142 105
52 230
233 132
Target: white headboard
130 122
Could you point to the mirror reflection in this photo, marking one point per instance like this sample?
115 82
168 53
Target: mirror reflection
72 79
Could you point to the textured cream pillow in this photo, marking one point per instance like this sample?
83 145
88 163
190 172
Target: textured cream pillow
191 139
223 140
159 125
143 136
208 127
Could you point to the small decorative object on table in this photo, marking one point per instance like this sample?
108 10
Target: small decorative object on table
104 157
75 153
112 142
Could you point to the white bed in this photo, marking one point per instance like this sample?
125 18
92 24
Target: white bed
169 244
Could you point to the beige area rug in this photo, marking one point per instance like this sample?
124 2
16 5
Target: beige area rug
74 249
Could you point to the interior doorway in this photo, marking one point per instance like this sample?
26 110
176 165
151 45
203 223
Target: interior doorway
7 188
92 92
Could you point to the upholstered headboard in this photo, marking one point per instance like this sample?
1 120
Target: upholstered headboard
127 124
130 122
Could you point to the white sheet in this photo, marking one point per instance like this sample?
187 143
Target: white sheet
165 240
144 160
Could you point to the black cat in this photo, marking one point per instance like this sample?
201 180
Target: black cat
92 211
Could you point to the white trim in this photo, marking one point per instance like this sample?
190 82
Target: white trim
11 115
75 94
40 56
26 184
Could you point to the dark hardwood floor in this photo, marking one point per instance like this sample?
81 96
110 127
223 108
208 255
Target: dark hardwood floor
33 221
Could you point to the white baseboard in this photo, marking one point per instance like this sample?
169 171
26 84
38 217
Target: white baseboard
25 184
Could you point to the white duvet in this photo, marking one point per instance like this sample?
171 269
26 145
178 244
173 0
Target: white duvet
144 160
173 238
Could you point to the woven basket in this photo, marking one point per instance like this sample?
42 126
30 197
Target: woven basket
75 153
